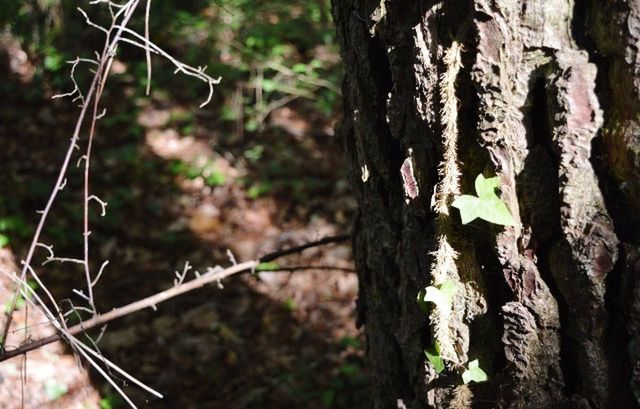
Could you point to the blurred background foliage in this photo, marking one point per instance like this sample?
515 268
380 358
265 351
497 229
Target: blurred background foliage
267 52
266 172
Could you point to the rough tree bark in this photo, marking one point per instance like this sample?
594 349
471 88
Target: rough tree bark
545 94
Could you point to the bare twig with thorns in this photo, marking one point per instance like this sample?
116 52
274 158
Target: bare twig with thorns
213 275
116 33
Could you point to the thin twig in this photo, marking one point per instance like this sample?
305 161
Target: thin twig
214 276
78 347
282 269
148 302
109 45
147 50
297 249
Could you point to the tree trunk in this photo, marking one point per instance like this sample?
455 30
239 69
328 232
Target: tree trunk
544 94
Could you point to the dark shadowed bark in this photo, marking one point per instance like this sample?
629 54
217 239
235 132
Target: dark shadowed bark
545 94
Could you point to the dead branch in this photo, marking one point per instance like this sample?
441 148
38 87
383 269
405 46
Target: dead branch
213 276
297 249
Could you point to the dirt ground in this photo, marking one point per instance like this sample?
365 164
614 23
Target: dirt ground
181 189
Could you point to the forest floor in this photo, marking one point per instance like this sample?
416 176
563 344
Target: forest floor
180 189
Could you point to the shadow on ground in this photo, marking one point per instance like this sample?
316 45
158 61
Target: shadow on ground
179 190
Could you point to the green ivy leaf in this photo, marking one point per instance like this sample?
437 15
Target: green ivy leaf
474 373
433 356
448 288
486 188
421 302
487 205
441 296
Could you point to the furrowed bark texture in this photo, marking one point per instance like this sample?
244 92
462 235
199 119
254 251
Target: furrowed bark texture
545 95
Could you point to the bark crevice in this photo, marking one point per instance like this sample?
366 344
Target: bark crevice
528 113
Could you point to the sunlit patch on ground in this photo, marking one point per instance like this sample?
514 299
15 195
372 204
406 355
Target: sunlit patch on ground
224 216
53 377
187 185
294 329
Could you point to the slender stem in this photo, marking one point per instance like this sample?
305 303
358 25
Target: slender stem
285 269
298 249
152 301
109 46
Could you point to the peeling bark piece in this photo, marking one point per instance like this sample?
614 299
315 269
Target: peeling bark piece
409 181
519 333
527 351
507 60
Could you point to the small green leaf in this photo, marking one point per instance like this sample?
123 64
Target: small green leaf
433 356
468 206
4 241
300 68
260 189
496 212
349 341
192 172
486 206
255 153
327 397
421 302
448 288
216 178
268 85
20 302
289 304
270 266
55 390
486 188
350 369
441 296
474 373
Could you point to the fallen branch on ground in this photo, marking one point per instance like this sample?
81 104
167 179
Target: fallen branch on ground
213 276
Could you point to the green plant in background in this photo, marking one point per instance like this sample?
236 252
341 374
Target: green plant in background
290 304
268 53
349 341
346 387
208 171
259 189
111 401
21 301
54 390
487 205
4 240
255 153
184 120
13 225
